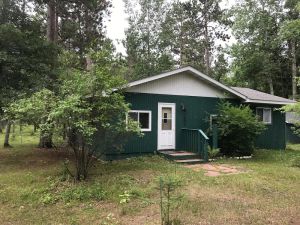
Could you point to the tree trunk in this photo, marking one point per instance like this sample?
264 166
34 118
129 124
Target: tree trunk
89 63
34 128
45 140
294 70
51 21
271 86
82 155
7 133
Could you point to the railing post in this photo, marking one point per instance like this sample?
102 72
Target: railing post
199 144
215 136
196 141
205 151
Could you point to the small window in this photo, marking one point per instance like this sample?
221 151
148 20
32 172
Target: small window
264 115
143 118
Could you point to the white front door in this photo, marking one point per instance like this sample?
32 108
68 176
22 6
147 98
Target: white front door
166 126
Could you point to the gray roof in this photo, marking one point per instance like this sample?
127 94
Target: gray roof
261 97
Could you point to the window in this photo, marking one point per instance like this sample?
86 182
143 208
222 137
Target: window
166 118
264 115
142 117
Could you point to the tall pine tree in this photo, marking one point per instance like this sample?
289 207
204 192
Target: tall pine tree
146 54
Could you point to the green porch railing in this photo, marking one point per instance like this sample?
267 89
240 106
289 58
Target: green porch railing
196 141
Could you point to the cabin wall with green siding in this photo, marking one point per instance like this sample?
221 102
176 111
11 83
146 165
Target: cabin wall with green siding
274 135
196 115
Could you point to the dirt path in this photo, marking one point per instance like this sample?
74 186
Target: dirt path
213 170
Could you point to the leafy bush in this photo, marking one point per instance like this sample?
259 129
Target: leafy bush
213 152
238 128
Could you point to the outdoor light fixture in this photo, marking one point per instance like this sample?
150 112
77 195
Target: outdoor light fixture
182 107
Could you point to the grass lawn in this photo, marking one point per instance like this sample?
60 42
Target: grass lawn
31 190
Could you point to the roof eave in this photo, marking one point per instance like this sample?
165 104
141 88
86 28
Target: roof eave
269 102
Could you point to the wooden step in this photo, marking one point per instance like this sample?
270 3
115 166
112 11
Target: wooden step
189 161
181 156
178 155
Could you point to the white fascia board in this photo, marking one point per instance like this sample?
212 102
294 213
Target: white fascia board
269 102
156 77
186 69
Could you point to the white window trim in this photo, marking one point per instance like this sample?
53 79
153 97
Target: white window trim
150 118
211 119
271 117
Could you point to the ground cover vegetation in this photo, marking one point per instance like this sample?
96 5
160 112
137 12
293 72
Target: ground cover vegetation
35 190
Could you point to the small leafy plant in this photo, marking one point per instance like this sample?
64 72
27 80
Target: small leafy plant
48 198
125 197
110 220
213 152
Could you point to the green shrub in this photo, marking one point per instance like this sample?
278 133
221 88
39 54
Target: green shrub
238 128
213 152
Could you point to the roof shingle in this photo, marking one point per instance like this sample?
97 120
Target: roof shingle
261 96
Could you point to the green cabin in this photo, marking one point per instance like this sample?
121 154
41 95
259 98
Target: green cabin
176 111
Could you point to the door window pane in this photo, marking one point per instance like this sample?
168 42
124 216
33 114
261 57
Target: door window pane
166 118
166 113
166 124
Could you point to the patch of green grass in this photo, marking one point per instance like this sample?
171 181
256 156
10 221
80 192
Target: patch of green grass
31 191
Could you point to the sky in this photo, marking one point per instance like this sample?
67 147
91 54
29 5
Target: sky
118 23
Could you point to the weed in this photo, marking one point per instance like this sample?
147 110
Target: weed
110 220
48 198
125 197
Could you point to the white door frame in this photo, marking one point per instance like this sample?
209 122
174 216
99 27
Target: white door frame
159 121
